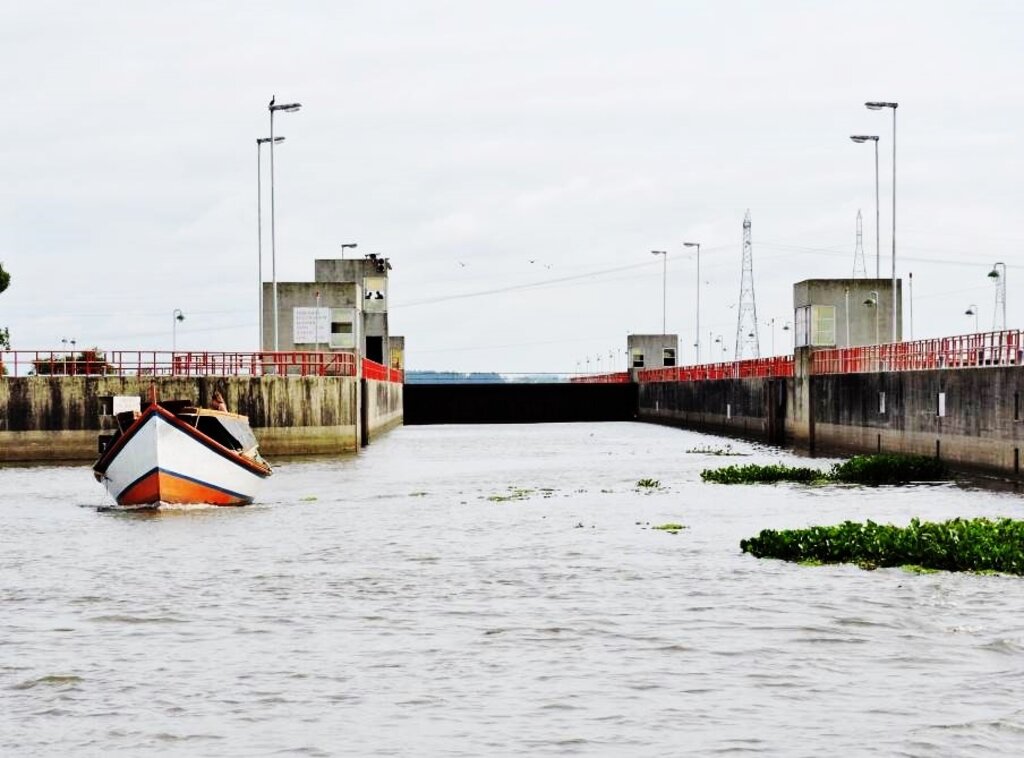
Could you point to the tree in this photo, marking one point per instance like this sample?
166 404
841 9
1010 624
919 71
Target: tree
5 336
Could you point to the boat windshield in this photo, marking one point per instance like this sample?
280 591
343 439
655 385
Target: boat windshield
233 434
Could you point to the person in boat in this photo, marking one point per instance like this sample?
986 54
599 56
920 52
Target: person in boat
217 403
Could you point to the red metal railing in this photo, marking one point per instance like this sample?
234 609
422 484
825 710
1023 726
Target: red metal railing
756 367
167 363
381 373
618 378
964 351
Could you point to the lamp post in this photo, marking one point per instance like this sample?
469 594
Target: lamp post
877 106
696 344
260 141
788 327
972 310
273 107
347 245
664 274
874 138
998 273
176 316
872 302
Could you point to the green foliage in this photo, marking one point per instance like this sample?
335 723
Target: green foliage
670 528
884 468
889 468
5 278
650 484
708 450
89 362
979 544
753 473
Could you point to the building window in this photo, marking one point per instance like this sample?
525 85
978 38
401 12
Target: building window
802 317
636 358
823 325
343 328
668 357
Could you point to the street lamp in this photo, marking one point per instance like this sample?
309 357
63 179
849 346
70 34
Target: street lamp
877 106
874 138
260 141
273 108
697 342
347 245
972 310
1000 279
872 302
664 274
176 316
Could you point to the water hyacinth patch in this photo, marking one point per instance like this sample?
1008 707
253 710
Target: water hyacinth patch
980 544
752 473
884 468
648 484
889 468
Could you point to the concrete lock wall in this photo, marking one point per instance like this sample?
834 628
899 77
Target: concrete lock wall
50 418
754 408
980 428
384 404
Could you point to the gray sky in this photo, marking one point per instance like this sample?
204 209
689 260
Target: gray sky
465 139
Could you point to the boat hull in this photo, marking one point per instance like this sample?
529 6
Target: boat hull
161 459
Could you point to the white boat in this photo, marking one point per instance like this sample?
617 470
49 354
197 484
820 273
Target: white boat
173 452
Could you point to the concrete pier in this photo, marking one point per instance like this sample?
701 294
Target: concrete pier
58 418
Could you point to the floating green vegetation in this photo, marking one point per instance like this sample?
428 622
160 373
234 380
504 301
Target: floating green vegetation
513 493
670 528
308 499
418 494
890 468
884 468
979 545
753 473
708 450
648 484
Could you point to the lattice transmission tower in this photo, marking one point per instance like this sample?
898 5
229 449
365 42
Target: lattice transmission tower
859 268
747 344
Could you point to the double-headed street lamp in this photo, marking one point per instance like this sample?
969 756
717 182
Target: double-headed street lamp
273 107
176 316
998 273
260 141
877 106
874 138
664 290
348 245
696 343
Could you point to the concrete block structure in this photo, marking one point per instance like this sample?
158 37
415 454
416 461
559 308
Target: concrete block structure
652 351
345 307
846 312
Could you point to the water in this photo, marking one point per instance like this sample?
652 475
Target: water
407 602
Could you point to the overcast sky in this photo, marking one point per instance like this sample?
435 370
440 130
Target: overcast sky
517 161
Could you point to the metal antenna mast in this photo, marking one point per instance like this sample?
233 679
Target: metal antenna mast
859 268
747 344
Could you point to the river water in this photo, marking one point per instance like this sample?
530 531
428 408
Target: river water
495 590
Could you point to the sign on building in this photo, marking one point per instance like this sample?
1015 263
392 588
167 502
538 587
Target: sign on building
311 326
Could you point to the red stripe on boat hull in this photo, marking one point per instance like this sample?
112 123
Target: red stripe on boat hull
165 487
